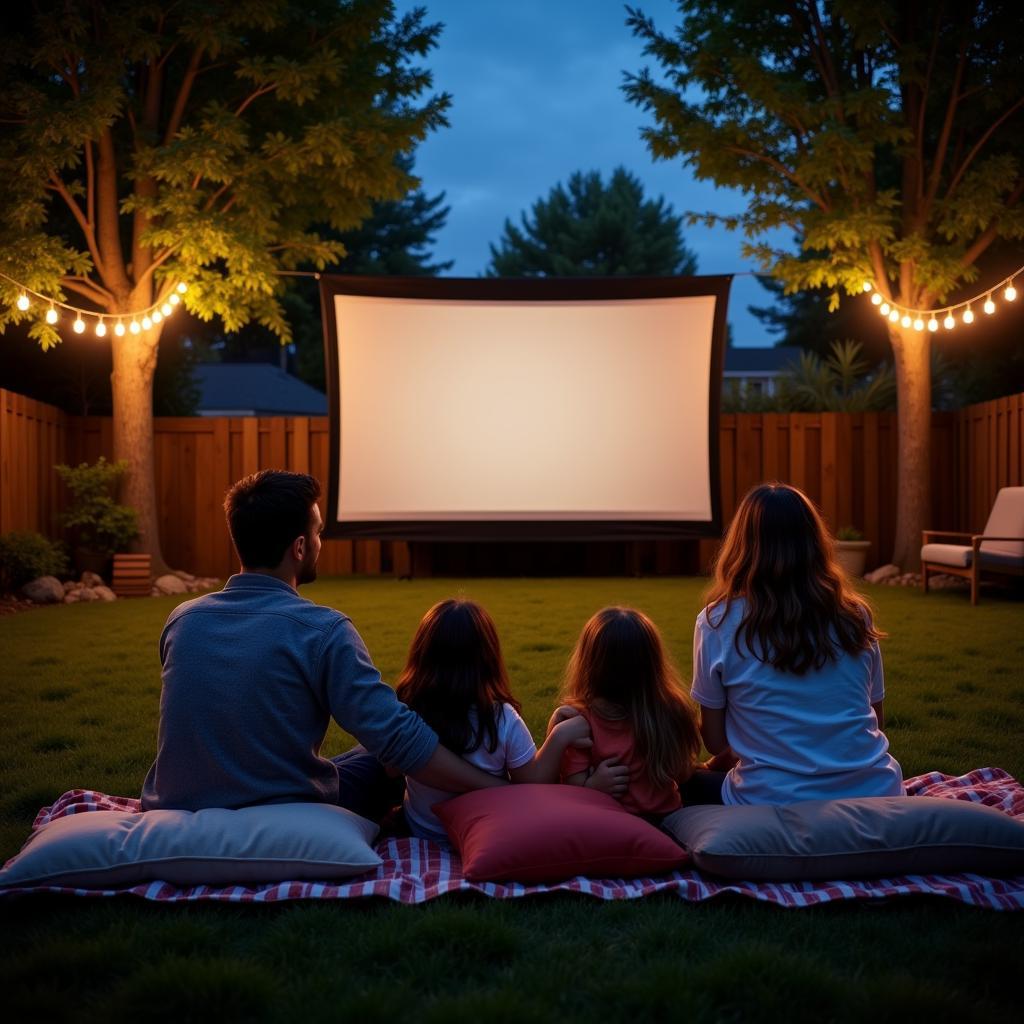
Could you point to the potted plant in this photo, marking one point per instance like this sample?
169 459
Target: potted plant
99 525
851 550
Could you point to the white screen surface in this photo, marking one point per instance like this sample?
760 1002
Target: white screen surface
469 410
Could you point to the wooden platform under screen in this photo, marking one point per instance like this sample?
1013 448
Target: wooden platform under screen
132 576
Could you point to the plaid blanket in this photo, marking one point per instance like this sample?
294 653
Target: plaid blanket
417 870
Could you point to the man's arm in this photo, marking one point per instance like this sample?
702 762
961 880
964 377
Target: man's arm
445 770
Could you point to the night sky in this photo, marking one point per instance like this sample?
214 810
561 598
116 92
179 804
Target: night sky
536 95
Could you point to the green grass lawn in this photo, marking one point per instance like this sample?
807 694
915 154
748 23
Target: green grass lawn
80 689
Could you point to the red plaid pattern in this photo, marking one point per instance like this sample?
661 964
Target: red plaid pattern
417 870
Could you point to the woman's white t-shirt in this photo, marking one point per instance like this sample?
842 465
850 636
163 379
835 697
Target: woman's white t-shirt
809 737
515 748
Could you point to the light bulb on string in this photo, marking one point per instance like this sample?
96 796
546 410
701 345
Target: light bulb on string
119 329
157 316
905 321
1010 294
51 315
173 299
876 299
884 309
167 309
23 302
867 286
918 324
949 323
146 323
968 317
101 329
134 326
990 306
182 287
933 325
79 325
894 315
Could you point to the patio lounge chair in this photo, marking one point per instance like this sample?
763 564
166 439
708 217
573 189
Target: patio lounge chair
1000 549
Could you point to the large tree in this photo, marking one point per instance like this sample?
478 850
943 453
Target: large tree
146 145
812 109
590 228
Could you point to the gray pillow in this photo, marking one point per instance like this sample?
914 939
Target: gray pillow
267 843
847 839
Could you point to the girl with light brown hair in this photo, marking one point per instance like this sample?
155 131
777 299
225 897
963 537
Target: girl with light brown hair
786 665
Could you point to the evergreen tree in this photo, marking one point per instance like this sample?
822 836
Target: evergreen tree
143 145
887 135
592 229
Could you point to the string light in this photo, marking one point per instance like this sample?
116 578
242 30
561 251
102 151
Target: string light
155 314
920 318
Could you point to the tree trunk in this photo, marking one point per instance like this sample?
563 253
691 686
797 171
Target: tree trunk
914 415
132 384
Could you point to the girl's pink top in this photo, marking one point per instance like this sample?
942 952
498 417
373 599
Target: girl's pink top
614 738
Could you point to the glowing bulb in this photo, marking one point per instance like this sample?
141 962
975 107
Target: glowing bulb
23 302
157 316
919 324
949 323
1010 294
79 325
876 299
968 316
167 309
990 306
905 320
884 309
174 300
894 315
182 287
51 315
101 330
134 327
867 286
119 329
933 324
146 323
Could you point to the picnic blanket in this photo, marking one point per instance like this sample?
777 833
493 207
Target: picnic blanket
417 870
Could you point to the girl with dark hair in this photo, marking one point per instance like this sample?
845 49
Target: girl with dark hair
786 665
620 680
455 679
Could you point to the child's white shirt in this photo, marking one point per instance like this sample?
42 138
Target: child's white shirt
809 737
515 748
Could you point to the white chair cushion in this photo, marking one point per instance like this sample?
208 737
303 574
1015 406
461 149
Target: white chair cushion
1006 520
960 556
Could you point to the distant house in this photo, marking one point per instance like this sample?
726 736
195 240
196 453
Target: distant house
254 389
754 371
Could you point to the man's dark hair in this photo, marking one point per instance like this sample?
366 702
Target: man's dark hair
266 512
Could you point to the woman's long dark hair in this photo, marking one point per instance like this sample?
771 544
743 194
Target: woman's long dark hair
454 667
800 610
620 661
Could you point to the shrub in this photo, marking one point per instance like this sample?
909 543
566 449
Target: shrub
98 522
849 533
25 556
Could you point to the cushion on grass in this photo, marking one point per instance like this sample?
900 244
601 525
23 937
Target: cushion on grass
268 843
544 833
858 838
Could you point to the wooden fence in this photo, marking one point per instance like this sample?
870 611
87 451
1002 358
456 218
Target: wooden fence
845 461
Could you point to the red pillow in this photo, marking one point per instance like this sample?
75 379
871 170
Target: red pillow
546 833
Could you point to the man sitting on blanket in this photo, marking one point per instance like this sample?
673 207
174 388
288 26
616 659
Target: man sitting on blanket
252 675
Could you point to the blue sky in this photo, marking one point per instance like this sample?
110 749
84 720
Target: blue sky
536 95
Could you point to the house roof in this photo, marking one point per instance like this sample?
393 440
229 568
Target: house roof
760 360
254 389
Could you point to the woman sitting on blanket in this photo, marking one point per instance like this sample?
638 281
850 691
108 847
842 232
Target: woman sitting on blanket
455 679
786 665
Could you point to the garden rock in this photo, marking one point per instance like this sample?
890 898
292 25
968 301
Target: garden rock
104 593
882 574
170 584
87 594
92 579
45 590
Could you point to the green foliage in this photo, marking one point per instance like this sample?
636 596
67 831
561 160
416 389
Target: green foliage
849 533
593 229
841 383
98 522
26 556
211 135
885 136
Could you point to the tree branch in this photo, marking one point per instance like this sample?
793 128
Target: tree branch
58 186
261 91
961 170
784 171
181 100
991 233
158 261
88 289
115 274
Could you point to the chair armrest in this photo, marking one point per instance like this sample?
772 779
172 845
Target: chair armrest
926 535
978 539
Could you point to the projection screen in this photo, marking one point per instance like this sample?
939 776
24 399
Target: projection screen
525 409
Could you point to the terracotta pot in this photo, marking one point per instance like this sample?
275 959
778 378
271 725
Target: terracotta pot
851 555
